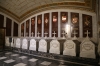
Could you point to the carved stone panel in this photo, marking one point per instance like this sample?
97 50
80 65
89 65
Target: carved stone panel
69 48
87 49
24 44
32 45
7 43
18 43
42 46
54 47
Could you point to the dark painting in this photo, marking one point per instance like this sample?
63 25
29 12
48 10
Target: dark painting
15 30
87 25
74 24
22 29
46 24
55 23
1 20
8 26
39 25
27 28
64 22
33 26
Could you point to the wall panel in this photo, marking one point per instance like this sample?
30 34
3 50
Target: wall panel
1 20
74 24
87 25
15 30
46 24
55 23
39 25
33 26
8 26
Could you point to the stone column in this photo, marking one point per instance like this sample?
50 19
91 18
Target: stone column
12 27
35 26
59 28
50 24
69 25
42 25
4 25
19 30
24 29
94 27
80 26
30 27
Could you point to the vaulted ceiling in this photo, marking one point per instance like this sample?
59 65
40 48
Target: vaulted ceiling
19 9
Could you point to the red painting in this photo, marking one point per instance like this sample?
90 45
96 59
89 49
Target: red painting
33 26
64 22
27 28
74 24
39 25
46 24
87 25
22 29
55 23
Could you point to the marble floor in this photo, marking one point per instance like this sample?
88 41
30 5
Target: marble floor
19 59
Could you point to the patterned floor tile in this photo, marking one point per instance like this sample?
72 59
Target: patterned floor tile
9 61
46 63
1 58
20 64
33 60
